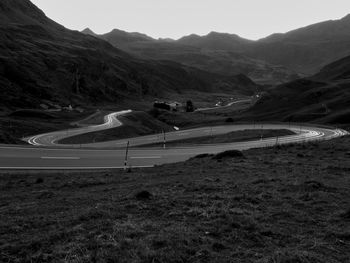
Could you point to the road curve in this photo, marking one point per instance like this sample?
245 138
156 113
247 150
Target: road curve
52 138
225 106
108 155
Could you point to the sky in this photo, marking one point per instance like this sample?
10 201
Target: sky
252 19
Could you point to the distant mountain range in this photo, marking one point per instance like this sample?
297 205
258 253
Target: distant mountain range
215 53
42 60
274 59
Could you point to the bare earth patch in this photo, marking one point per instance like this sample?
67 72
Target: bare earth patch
282 204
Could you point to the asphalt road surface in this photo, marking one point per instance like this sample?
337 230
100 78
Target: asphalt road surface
226 106
46 153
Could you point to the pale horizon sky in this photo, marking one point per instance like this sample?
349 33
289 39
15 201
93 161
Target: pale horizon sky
251 19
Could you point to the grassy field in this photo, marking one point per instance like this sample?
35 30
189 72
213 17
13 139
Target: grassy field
236 136
134 124
23 123
282 204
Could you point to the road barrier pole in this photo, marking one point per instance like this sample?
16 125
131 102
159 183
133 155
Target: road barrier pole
164 139
276 140
126 156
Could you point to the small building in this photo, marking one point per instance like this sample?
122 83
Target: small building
170 106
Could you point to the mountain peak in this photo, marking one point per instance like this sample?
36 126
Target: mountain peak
130 36
88 31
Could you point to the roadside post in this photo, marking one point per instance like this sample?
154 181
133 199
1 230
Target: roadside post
276 140
164 139
126 156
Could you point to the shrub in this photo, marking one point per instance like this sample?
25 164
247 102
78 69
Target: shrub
39 180
229 154
143 195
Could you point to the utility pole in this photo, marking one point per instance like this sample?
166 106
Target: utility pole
126 156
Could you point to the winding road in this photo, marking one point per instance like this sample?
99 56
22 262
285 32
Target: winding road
46 153
248 100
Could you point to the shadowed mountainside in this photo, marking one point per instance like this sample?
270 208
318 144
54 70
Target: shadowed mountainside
324 97
40 59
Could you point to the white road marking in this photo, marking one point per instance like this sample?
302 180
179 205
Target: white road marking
60 158
120 143
110 122
73 168
146 157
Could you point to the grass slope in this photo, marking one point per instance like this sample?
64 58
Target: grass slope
23 123
284 204
237 136
134 124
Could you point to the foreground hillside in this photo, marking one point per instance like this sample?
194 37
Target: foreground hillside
42 60
284 204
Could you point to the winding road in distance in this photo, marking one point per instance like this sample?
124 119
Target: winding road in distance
46 153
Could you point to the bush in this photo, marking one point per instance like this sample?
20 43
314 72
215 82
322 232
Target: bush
229 154
39 180
143 195
229 120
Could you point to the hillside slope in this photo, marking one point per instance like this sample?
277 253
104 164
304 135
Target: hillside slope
40 59
307 49
323 98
